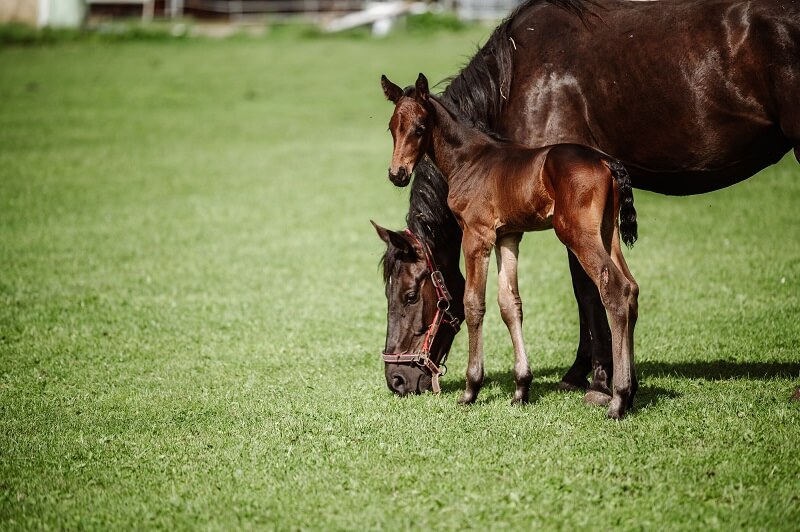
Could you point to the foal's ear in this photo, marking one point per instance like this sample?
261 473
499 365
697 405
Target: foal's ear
422 87
390 90
397 240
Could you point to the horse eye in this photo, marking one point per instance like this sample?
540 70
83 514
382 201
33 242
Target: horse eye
411 297
419 131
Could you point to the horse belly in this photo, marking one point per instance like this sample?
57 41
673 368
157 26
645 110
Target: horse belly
528 208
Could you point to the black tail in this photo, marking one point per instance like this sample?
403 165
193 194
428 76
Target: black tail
628 228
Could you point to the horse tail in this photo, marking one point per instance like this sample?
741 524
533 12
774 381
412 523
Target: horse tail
628 227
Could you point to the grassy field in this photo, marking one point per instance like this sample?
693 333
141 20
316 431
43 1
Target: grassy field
191 316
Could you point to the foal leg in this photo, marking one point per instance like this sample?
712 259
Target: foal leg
507 252
633 302
616 291
476 260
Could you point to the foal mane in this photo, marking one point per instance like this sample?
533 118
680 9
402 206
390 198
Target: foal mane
477 94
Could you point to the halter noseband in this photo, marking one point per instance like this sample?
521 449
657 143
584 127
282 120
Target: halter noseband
443 315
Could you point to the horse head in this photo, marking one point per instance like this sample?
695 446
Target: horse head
420 324
408 127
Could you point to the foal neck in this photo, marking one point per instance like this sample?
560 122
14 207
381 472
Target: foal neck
453 141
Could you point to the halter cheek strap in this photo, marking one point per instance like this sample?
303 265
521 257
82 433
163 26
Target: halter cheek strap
443 315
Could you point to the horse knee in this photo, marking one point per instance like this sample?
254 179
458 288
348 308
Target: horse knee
474 310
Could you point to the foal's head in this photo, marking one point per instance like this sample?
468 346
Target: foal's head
409 127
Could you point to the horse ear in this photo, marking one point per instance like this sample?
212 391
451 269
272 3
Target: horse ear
390 90
422 87
383 233
397 240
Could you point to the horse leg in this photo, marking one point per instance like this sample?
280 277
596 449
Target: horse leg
589 232
507 252
633 301
616 292
476 260
575 377
594 349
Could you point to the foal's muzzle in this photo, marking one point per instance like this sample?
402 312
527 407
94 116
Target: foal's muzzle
401 178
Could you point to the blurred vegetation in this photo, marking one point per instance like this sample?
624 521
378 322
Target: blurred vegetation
133 30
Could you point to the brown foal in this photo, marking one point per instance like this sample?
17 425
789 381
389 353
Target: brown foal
499 190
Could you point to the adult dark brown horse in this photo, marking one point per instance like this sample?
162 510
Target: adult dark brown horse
498 190
691 95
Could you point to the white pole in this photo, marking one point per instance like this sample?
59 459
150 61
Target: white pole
43 15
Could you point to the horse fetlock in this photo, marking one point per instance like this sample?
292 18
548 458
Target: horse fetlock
575 378
475 377
523 374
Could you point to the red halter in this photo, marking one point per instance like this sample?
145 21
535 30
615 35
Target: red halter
443 315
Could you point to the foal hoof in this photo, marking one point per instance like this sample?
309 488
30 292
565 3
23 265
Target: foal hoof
616 410
466 399
593 397
518 401
615 415
796 395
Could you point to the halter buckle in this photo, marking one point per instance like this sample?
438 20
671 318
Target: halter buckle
438 282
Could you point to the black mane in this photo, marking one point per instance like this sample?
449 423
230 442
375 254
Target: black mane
477 93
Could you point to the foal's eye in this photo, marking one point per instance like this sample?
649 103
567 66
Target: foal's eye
419 131
411 297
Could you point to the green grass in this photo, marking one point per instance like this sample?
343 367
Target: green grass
191 316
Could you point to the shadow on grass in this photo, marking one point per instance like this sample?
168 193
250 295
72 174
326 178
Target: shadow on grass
712 370
646 396
717 370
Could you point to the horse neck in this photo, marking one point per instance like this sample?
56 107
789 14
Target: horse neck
453 143
430 219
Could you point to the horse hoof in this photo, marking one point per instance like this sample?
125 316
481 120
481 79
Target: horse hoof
593 397
466 399
565 386
796 395
519 401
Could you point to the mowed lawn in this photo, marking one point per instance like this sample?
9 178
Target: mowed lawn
191 316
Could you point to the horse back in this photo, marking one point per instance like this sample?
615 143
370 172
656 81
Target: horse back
691 95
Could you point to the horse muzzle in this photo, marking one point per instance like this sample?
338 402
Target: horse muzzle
405 379
400 178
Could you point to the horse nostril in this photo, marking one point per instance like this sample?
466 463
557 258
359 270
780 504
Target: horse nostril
399 384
